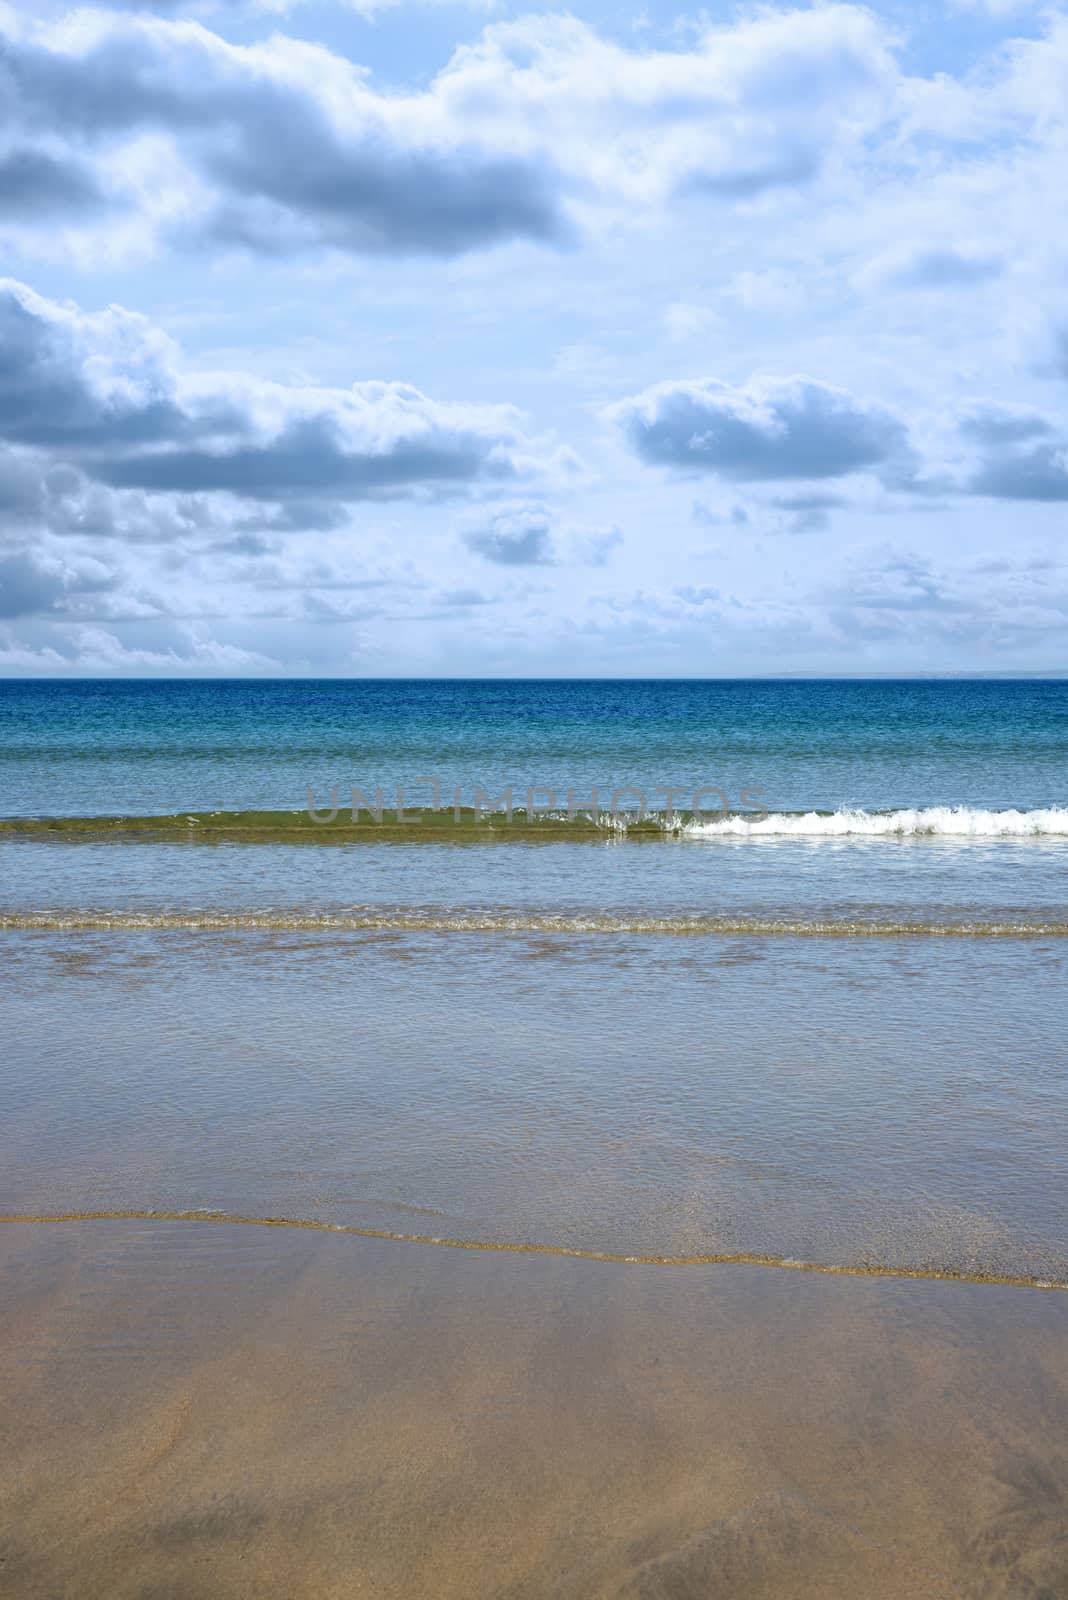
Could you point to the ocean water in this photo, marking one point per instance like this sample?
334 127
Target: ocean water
829 1027
88 748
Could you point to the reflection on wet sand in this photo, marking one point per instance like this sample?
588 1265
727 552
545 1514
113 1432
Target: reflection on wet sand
197 1411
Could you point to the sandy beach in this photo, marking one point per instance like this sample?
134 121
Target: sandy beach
533 800
195 1410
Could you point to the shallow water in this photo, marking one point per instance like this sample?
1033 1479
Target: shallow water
895 1102
839 1039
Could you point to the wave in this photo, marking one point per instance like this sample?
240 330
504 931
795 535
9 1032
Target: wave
467 826
943 822
376 919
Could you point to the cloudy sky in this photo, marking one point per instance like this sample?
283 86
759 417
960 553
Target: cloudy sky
380 337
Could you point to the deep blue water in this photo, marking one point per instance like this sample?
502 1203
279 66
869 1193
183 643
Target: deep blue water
77 748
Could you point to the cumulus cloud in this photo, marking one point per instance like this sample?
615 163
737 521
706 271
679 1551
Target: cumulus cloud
515 536
285 146
533 535
108 393
770 428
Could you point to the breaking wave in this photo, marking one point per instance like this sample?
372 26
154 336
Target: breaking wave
944 822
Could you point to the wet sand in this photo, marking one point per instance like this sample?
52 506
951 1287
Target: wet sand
201 1410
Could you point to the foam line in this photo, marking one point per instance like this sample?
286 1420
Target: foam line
731 1258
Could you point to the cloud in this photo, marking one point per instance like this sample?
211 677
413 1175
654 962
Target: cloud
514 537
809 512
590 545
109 394
1037 473
363 8
736 516
933 267
886 609
89 650
31 583
1053 359
528 133
770 428
987 609
532 535
34 184
1021 454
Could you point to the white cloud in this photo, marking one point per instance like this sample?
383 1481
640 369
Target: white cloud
107 393
533 131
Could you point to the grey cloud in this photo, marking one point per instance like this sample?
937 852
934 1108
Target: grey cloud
711 517
34 184
784 169
772 428
285 200
40 496
109 393
514 537
1004 425
531 535
808 513
47 393
305 458
814 521
464 598
1040 473
809 502
939 268
31 584
1056 363
1022 455
21 488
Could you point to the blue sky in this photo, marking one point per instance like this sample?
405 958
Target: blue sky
357 339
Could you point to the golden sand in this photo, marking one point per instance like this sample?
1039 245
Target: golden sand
212 1412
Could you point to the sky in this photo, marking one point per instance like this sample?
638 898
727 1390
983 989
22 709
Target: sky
401 338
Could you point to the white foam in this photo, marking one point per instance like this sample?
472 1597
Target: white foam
948 822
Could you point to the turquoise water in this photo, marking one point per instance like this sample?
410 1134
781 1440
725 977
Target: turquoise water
839 1039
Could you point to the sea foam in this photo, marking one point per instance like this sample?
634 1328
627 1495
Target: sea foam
950 822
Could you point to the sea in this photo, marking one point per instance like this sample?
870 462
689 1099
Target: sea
818 1015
